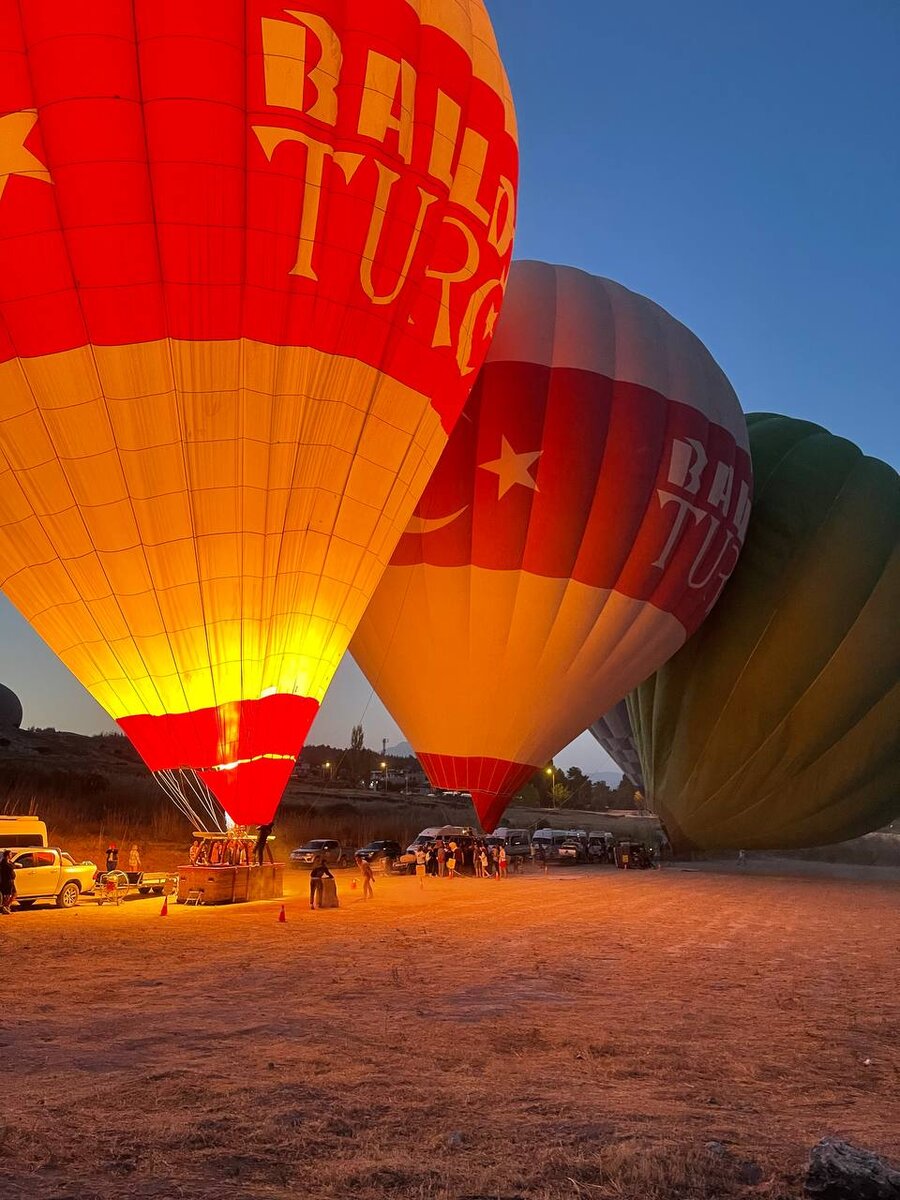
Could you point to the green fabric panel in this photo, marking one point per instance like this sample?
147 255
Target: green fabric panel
778 724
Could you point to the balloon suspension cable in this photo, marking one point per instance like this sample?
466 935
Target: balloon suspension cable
192 797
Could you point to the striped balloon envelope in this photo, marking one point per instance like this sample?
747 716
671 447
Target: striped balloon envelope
614 733
251 258
581 523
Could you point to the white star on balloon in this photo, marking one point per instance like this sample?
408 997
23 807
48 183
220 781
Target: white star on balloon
512 468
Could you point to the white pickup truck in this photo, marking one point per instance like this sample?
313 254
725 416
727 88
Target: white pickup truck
51 874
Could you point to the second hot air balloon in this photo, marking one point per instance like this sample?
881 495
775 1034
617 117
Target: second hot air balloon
582 521
250 260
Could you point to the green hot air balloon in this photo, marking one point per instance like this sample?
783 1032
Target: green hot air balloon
777 725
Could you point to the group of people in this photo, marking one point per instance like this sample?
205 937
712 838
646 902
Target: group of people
447 858
227 851
134 858
232 849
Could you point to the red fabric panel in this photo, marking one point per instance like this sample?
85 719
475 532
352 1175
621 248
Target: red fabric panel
231 733
250 794
596 512
491 781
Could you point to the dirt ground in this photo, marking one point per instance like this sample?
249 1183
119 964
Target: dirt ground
586 1033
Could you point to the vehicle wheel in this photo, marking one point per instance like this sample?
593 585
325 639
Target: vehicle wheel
144 891
68 897
157 891
24 903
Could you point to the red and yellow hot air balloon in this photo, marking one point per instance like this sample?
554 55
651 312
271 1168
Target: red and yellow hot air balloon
251 257
581 523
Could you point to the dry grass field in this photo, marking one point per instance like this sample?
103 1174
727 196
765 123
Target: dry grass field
585 1034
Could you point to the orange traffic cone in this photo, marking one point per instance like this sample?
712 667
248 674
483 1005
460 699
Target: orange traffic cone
352 885
281 916
164 911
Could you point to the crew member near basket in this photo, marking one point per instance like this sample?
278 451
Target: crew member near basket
317 874
262 847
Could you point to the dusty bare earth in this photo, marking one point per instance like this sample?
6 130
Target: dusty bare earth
581 1034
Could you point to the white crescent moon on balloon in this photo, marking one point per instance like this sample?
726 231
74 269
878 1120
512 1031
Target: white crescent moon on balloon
433 524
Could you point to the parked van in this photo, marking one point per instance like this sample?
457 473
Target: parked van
550 840
517 842
429 835
16 832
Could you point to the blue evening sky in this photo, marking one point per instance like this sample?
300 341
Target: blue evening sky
738 163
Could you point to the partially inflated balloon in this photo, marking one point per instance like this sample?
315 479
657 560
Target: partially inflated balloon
250 259
580 524
778 724
613 732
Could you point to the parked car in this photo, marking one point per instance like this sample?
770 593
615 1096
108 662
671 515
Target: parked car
328 849
551 842
572 850
517 842
381 855
51 874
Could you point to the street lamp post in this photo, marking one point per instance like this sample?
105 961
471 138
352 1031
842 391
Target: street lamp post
384 768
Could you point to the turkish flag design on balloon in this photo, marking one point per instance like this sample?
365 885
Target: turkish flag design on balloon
251 258
583 519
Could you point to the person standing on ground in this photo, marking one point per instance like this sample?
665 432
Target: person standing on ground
317 874
495 862
483 859
479 866
451 864
502 862
262 844
441 858
421 865
134 859
368 878
112 858
7 883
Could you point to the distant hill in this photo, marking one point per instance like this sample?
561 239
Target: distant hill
401 750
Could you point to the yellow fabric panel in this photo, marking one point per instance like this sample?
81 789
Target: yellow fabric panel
182 537
504 664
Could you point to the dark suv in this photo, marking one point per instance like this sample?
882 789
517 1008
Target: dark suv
327 849
382 855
